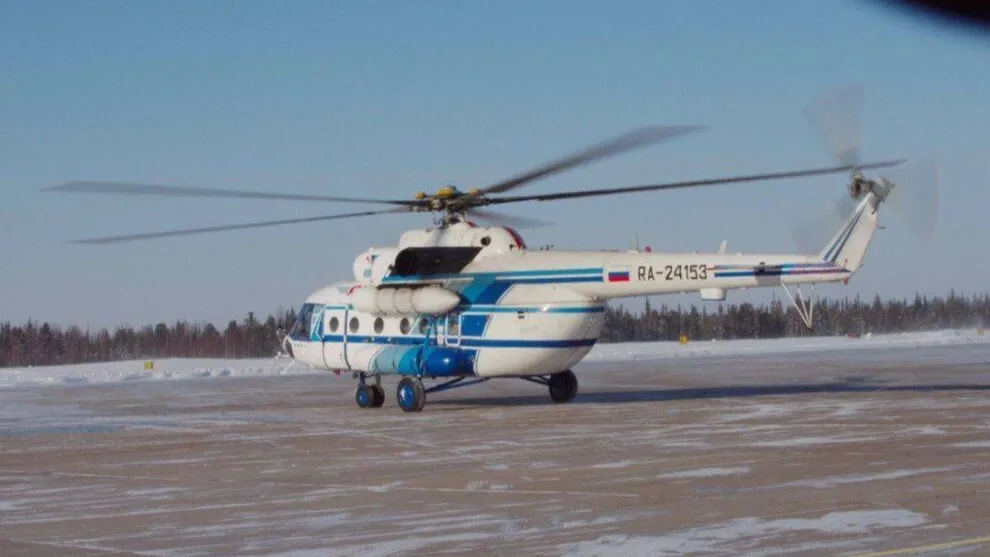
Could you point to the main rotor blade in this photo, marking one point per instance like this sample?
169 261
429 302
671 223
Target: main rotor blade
688 184
626 142
189 191
224 228
497 218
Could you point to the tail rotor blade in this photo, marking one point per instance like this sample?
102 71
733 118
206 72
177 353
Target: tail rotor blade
914 199
811 234
835 118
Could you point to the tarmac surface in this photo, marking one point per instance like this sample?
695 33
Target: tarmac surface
874 453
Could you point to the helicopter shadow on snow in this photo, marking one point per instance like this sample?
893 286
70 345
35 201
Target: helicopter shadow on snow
627 396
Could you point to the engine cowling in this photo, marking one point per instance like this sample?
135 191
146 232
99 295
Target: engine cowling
428 300
371 265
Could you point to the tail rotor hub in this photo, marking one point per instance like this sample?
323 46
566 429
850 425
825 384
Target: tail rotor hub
859 186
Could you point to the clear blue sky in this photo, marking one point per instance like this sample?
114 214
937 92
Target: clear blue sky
388 98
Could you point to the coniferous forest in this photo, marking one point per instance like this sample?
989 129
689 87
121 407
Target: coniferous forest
34 344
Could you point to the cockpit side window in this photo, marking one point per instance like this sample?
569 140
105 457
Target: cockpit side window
300 329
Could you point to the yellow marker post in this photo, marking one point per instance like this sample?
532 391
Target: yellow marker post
683 340
149 365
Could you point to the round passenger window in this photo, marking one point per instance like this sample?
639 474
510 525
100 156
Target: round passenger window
422 325
485 240
379 324
354 324
404 325
334 324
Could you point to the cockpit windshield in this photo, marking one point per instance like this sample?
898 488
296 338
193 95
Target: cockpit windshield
300 329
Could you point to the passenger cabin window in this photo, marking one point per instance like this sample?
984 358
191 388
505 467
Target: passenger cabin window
300 329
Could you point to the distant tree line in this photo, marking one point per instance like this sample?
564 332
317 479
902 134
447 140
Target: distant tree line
778 318
33 344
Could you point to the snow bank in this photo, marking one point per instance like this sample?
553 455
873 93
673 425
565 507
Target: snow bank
194 368
133 370
637 351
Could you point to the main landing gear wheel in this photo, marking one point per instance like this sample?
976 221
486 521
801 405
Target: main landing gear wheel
369 396
563 386
410 394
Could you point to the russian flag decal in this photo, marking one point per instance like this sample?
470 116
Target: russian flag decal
619 274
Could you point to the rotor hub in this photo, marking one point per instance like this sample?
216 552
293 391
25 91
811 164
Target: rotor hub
860 186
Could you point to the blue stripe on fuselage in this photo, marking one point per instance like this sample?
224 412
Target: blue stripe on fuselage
549 275
482 308
473 325
778 272
464 341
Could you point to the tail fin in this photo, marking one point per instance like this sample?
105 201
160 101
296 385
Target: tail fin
848 247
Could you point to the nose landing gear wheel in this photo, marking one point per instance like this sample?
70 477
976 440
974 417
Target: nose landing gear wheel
410 394
369 396
364 396
563 386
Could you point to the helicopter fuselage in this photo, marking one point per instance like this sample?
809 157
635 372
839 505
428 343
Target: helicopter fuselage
467 301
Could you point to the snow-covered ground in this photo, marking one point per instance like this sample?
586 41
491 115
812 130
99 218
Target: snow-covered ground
656 350
821 446
193 368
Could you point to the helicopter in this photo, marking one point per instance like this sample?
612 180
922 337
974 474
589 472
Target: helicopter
462 303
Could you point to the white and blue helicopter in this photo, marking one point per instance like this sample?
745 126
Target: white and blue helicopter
461 303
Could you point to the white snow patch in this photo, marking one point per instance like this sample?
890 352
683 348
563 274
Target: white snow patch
706 472
385 487
831 481
150 492
973 444
619 464
383 549
805 441
715 537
